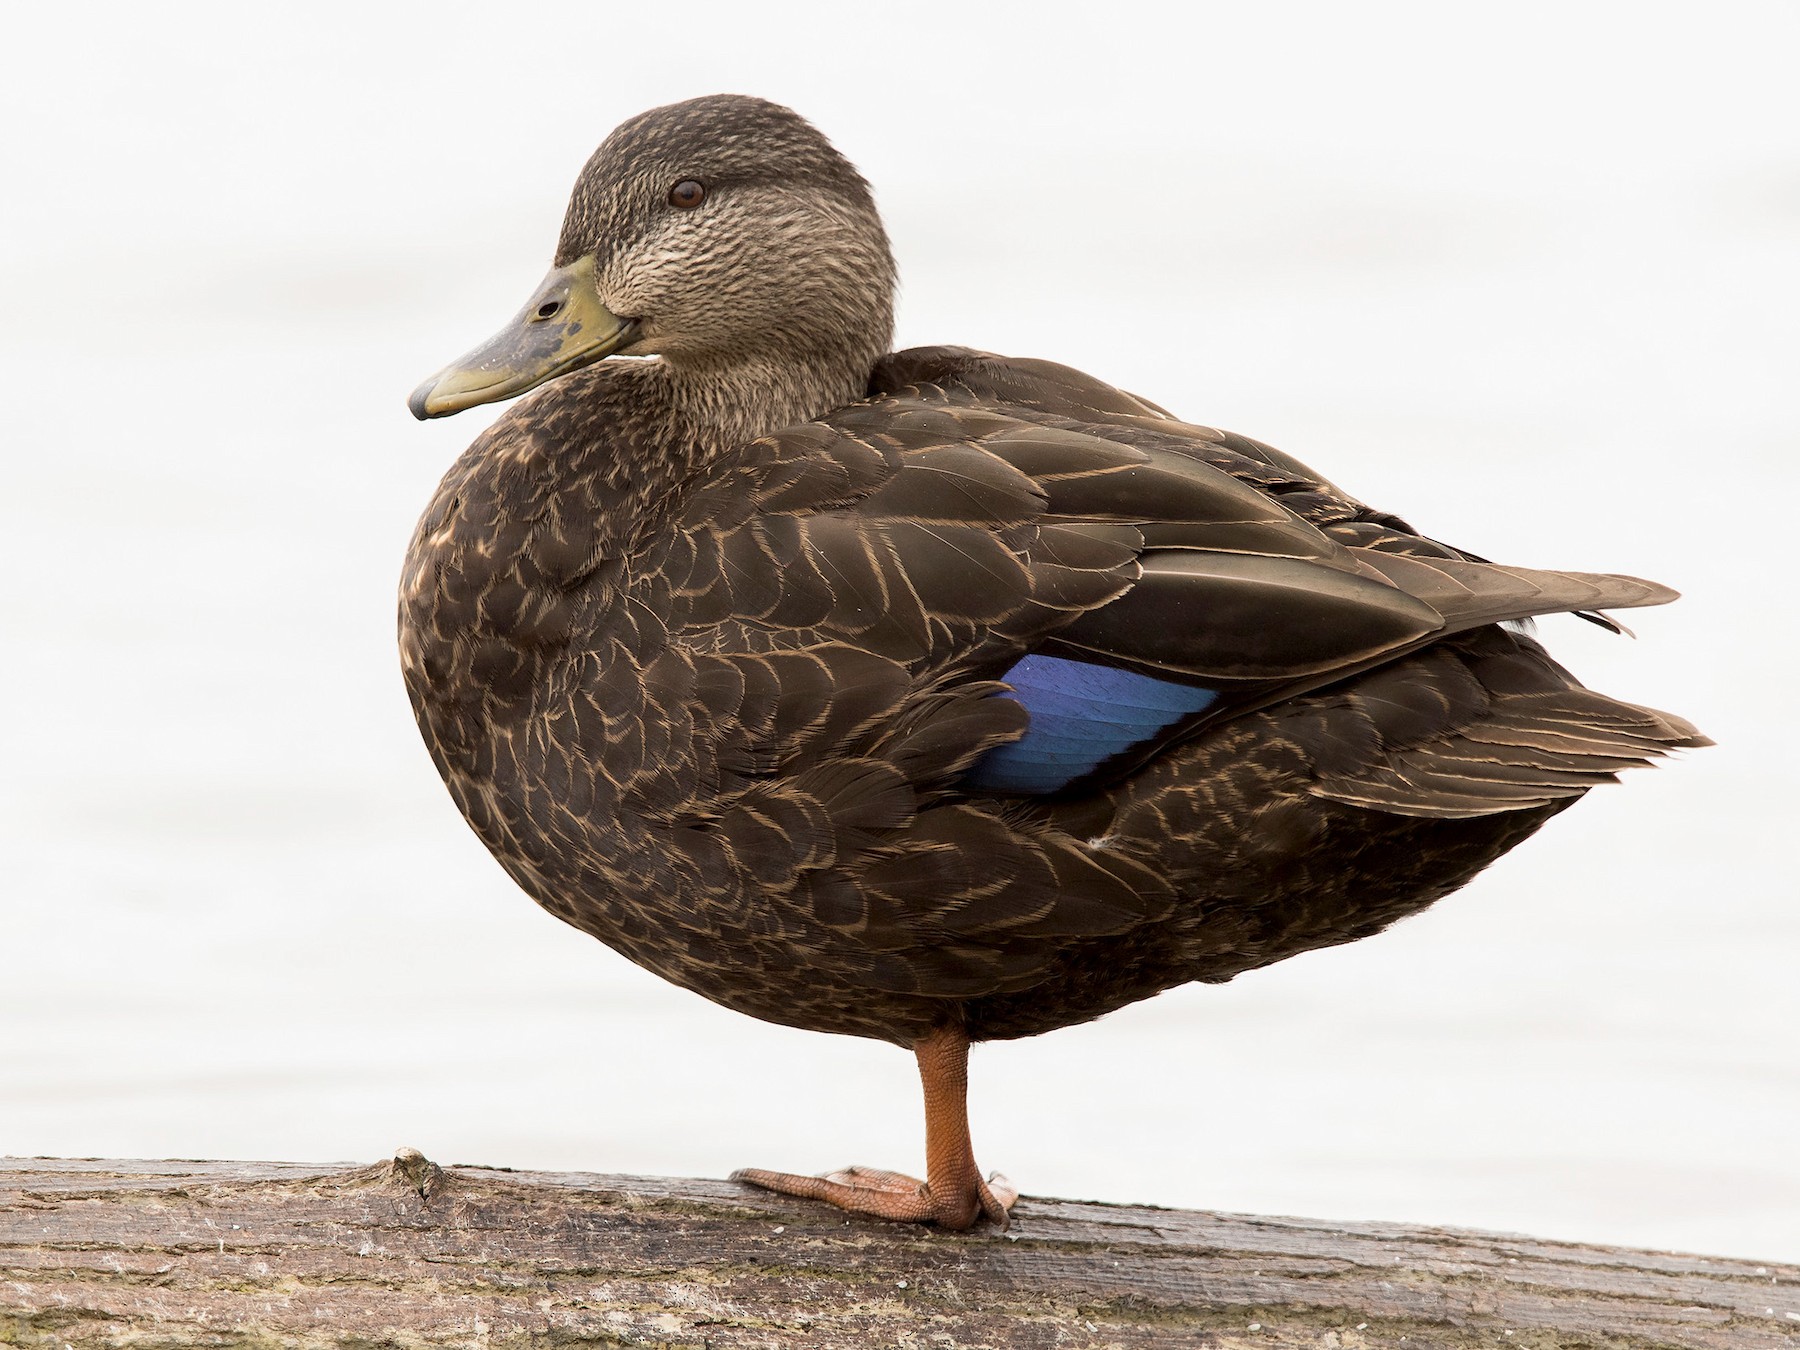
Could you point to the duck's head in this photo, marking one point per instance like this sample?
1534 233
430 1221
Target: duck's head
724 235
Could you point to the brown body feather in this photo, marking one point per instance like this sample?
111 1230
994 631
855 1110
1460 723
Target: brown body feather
713 703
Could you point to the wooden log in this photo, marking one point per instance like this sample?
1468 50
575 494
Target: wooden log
404 1253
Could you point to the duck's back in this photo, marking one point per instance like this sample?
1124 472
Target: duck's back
1000 692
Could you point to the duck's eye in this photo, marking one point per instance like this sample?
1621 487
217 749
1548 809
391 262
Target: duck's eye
687 194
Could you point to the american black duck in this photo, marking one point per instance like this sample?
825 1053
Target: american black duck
935 696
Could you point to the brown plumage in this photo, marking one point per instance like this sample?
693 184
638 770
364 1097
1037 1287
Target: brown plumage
711 650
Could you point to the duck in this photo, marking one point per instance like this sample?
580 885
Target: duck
935 696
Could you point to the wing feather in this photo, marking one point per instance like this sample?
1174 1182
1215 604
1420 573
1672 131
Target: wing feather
848 594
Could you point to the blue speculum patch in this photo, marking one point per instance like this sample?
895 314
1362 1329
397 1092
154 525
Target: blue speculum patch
1081 716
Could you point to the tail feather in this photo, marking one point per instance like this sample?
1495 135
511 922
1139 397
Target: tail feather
1540 737
1469 594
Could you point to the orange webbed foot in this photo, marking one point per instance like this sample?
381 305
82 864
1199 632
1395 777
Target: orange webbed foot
953 1195
894 1195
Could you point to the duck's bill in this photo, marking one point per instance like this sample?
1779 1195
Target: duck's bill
563 327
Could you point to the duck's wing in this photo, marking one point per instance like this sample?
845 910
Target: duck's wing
1055 395
876 572
854 608
1230 525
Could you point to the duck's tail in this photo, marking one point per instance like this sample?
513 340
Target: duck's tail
1483 723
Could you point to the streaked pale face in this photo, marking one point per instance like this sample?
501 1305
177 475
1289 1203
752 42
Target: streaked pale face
729 226
719 233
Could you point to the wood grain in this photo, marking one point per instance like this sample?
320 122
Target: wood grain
404 1253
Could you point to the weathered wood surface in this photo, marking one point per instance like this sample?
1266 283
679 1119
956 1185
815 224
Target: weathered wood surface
168 1254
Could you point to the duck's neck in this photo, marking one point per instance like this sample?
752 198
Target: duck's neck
721 405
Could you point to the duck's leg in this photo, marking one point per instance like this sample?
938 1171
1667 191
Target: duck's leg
953 1194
